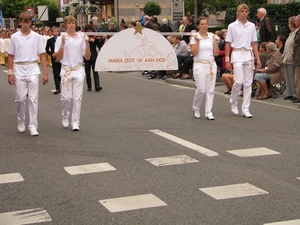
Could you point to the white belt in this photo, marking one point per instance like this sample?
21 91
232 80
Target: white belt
67 74
207 62
26 63
246 50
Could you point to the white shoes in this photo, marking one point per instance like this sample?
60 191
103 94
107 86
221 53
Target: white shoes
197 114
210 116
75 127
234 108
21 127
65 122
246 114
33 132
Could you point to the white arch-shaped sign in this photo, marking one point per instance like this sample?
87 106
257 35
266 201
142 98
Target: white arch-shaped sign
136 49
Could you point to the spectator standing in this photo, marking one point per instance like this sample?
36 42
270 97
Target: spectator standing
56 65
165 27
241 36
264 28
70 49
296 54
147 23
184 23
204 48
154 25
23 71
188 28
288 60
280 42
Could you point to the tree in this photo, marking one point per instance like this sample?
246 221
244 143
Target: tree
206 7
152 9
12 9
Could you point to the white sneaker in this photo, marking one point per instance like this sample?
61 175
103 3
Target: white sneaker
75 127
234 108
21 127
210 116
33 132
246 114
65 122
197 114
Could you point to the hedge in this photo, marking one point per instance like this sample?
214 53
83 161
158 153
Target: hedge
277 13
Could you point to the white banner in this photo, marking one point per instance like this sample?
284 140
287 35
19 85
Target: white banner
136 49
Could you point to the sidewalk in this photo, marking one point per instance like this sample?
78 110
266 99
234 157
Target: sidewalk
220 89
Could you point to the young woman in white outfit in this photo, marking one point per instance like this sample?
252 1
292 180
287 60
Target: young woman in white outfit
204 48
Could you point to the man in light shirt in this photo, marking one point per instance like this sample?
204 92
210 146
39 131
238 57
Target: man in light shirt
241 37
70 49
23 71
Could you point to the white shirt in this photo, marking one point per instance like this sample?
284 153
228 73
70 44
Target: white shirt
206 48
74 50
26 49
2 43
241 36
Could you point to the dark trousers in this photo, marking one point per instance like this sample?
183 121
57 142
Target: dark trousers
88 65
185 62
56 67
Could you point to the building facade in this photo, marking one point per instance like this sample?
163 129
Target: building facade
124 9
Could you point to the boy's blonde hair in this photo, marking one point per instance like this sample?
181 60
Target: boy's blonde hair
242 6
24 16
70 19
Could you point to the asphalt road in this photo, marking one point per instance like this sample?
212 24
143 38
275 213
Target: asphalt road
124 129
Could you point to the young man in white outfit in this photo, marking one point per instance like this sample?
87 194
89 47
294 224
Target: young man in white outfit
241 36
70 48
23 71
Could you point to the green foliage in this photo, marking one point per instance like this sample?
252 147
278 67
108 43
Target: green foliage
277 13
12 9
206 7
152 9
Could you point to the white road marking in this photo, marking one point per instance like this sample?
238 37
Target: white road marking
132 203
90 168
233 191
289 222
171 160
185 143
10 178
298 178
180 86
250 152
29 216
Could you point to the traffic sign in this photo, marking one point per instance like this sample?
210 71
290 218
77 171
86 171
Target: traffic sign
31 11
1 19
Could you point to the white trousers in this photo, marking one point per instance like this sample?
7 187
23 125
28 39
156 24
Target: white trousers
27 85
205 84
243 75
75 94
